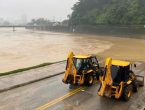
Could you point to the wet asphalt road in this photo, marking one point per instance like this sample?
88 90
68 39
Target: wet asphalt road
52 94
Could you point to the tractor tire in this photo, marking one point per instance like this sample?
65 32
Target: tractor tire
135 87
89 80
127 92
97 76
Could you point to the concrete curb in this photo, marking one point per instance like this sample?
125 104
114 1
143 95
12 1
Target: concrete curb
29 82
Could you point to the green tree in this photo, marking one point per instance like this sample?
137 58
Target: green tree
92 12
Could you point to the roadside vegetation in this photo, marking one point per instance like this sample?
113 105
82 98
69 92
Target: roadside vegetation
27 68
123 18
108 12
24 69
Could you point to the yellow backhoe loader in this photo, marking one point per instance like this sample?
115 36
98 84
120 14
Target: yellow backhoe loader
81 69
118 80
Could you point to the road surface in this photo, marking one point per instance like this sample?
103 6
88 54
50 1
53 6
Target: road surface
52 94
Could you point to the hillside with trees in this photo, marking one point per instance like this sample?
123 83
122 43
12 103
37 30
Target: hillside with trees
108 12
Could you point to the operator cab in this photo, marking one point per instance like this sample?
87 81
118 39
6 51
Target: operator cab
120 71
85 62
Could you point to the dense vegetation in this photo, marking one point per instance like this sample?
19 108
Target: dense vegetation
110 12
40 22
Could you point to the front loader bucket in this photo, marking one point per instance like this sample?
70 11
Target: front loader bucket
140 80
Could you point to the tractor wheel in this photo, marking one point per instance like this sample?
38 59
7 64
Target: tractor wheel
135 87
127 92
97 75
89 80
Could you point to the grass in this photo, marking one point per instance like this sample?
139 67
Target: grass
33 67
27 68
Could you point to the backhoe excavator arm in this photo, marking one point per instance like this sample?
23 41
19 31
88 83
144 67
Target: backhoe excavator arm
68 66
107 77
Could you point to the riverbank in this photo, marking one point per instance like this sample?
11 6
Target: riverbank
13 81
130 31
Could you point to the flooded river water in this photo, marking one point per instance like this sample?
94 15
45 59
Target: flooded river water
24 48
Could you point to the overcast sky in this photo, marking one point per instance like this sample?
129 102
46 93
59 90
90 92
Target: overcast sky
15 9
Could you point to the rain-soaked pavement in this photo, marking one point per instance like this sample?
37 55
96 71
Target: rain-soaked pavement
52 94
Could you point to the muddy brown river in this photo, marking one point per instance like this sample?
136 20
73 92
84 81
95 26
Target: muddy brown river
24 48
